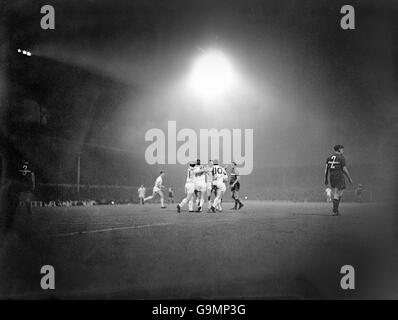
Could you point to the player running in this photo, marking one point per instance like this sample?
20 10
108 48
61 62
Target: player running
336 167
234 183
157 189
189 188
219 178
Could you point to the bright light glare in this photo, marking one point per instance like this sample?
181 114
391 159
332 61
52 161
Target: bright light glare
212 75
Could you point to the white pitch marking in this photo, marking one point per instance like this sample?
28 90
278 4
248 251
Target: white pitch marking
112 229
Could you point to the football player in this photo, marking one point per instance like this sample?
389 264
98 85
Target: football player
358 193
328 193
200 184
171 195
21 185
189 188
336 169
157 189
219 178
234 183
141 194
209 183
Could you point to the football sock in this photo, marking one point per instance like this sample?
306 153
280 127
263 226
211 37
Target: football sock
335 205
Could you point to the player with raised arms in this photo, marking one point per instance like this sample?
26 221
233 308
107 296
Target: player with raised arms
336 168
157 189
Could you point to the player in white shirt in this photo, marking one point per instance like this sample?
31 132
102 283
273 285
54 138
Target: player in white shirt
209 183
141 194
189 188
219 178
328 192
157 189
200 184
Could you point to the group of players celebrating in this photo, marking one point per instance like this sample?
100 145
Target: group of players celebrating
204 183
211 180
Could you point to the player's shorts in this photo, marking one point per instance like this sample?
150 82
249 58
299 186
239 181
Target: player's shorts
189 188
236 187
200 186
337 181
220 185
156 190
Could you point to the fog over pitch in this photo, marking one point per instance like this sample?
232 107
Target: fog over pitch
305 84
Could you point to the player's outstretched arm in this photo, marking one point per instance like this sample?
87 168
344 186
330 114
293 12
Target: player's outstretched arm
345 170
326 174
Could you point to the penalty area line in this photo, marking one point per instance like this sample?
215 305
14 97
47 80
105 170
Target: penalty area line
111 229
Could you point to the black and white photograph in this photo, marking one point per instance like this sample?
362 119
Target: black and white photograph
198 151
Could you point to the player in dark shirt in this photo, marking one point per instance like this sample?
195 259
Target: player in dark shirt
234 183
171 195
336 169
20 186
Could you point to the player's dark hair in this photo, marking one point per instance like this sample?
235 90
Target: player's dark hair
161 171
338 147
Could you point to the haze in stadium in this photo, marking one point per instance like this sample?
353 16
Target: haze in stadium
279 82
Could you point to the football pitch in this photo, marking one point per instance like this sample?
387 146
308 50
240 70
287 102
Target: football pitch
267 250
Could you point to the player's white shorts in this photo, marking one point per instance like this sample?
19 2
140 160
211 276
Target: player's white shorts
220 185
200 186
189 188
209 187
156 190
